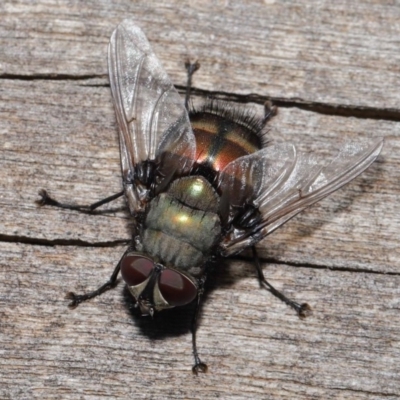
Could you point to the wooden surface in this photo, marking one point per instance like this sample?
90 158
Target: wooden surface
334 70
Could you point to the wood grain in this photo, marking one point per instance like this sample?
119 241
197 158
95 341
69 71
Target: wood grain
334 71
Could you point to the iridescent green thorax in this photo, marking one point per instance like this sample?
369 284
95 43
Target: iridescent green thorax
195 192
182 225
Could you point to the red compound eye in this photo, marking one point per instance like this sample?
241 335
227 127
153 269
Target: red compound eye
176 288
135 269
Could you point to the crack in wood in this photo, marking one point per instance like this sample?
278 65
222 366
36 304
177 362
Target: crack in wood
361 112
62 242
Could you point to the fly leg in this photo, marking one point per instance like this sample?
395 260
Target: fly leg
303 310
269 112
76 299
191 69
49 201
198 366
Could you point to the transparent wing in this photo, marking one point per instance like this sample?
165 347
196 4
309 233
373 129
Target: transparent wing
150 113
243 180
299 181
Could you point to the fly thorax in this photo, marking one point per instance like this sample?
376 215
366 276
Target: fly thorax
182 225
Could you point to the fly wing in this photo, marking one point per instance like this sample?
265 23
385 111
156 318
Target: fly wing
242 180
151 116
298 181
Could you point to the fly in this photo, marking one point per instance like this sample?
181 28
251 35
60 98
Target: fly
200 184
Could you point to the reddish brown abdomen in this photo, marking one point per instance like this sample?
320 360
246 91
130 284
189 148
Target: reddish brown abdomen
220 140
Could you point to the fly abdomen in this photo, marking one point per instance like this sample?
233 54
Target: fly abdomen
224 134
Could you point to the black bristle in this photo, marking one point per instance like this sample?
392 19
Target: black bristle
245 117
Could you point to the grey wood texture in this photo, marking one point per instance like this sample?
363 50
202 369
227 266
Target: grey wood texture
333 68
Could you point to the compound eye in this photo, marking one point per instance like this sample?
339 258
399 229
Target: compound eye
135 269
176 288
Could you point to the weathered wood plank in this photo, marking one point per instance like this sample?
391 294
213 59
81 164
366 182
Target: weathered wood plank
67 143
341 54
255 346
341 256
354 229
